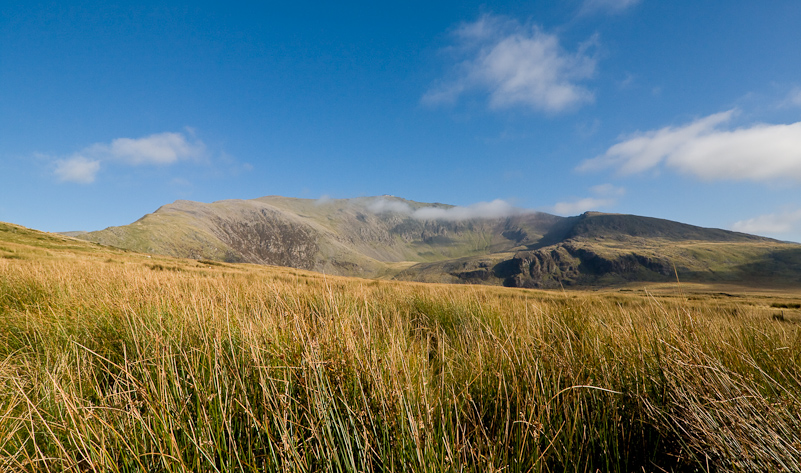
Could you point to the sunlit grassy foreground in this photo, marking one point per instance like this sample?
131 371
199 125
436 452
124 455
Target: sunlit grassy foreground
129 366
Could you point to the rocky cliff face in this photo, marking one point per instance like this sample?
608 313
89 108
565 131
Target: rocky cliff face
569 264
270 239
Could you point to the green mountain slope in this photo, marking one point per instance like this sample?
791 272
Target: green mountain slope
370 236
20 243
609 249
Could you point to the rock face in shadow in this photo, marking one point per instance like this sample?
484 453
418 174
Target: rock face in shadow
569 265
545 268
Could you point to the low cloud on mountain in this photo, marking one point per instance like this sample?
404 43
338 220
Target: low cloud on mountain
578 206
604 195
774 224
496 209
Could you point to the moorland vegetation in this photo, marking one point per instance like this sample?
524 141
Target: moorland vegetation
117 361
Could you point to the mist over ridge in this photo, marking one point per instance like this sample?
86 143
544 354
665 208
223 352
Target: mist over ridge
481 210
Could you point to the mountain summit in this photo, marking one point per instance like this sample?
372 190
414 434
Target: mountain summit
391 237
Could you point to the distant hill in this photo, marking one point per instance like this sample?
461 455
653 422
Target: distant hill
610 249
390 237
19 243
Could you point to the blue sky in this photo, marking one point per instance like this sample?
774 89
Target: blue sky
683 110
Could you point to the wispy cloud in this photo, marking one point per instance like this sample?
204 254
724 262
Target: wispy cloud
324 199
771 224
158 149
605 195
608 190
495 209
382 205
78 169
611 6
627 81
705 149
581 205
180 182
161 148
793 99
482 210
515 64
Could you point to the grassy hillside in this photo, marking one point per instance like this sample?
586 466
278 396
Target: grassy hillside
115 361
595 225
381 237
598 250
17 242
344 236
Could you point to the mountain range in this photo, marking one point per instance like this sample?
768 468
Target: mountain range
390 237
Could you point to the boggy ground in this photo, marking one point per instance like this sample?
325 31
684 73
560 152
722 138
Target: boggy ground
111 361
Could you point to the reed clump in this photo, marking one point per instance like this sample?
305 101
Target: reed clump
116 367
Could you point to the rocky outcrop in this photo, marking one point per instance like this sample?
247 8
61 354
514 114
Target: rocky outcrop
568 264
544 268
632 263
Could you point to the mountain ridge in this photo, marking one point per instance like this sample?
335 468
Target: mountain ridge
391 237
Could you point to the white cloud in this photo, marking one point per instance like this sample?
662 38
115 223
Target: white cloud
382 205
771 224
760 153
77 169
581 205
161 148
495 209
605 195
613 6
158 149
516 65
482 210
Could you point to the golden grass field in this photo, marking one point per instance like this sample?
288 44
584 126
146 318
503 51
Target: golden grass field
116 361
